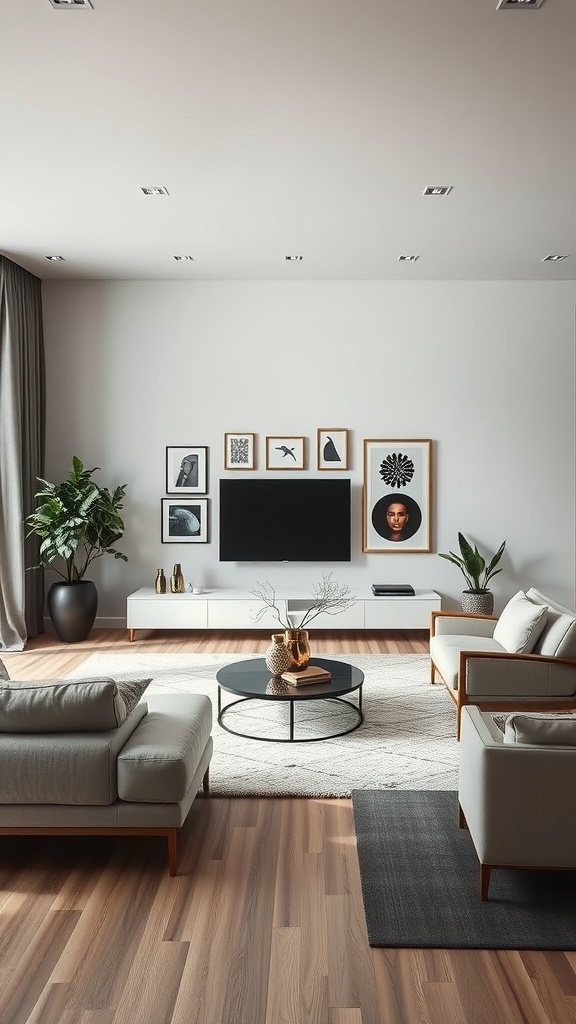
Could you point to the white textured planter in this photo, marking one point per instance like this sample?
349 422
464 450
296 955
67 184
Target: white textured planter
479 603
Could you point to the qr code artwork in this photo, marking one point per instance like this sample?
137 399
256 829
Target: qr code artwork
239 451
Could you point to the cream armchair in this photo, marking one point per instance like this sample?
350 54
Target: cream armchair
517 791
525 658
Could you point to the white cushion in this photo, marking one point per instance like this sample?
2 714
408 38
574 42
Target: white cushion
559 638
549 730
520 624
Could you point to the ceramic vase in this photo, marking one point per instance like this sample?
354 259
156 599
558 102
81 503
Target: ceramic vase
299 649
480 603
73 608
160 584
278 658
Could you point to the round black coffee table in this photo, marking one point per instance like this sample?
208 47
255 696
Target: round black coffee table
251 680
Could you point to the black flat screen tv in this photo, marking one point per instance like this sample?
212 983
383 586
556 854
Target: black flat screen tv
285 520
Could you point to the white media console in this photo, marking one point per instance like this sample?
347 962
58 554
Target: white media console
237 609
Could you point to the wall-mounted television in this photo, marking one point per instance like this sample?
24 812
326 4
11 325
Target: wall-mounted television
271 520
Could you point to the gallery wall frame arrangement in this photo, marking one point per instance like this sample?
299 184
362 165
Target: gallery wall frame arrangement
186 469
239 451
285 452
397 495
332 448
184 521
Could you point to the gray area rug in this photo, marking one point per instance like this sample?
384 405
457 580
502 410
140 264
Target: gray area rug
407 740
420 882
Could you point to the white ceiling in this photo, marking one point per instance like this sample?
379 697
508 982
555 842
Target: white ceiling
303 127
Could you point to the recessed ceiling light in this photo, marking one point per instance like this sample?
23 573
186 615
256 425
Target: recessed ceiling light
437 190
184 258
70 5
55 258
289 258
408 259
518 4
554 259
154 190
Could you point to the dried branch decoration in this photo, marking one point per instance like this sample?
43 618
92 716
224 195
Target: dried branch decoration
328 598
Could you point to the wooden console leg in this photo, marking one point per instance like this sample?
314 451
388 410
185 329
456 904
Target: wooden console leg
131 634
172 837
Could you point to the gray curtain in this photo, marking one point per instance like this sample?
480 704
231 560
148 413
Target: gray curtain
22 441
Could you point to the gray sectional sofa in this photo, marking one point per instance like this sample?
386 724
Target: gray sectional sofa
83 757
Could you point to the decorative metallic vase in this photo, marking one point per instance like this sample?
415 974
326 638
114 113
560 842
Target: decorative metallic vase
299 649
278 658
177 580
478 603
160 584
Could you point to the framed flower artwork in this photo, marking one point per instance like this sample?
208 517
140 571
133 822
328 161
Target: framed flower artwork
396 496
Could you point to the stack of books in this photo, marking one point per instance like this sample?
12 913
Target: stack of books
312 674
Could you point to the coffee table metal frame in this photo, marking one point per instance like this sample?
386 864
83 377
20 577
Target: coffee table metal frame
250 678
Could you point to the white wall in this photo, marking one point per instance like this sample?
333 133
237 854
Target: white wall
485 369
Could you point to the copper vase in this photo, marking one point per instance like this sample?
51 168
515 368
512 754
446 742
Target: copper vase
299 648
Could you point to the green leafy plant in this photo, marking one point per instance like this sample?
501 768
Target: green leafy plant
76 521
473 566
328 597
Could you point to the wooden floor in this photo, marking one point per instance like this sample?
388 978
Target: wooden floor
263 925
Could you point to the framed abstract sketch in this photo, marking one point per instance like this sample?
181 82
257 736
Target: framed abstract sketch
239 451
184 521
285 452
187 470
332 448
396 496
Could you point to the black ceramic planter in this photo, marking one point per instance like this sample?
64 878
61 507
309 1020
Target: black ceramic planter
73 608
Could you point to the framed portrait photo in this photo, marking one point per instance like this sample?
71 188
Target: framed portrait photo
187 469
184 521
396 496
332 448
285 452
239 451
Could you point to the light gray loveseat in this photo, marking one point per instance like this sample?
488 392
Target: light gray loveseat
77 757
523 659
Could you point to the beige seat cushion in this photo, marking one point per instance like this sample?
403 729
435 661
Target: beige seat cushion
445 653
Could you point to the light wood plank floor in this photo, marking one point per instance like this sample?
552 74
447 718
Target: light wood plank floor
263 925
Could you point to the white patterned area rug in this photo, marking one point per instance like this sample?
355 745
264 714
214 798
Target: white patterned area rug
407 739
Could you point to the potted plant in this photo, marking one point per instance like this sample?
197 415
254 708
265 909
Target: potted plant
477 597
328 597
77 521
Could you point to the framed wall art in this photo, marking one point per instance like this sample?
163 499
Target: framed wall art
239 451
285 452
332 448
396 496
187 469
184 521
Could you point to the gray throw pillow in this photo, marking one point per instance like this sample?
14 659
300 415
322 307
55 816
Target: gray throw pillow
541 729
130 690
66 705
